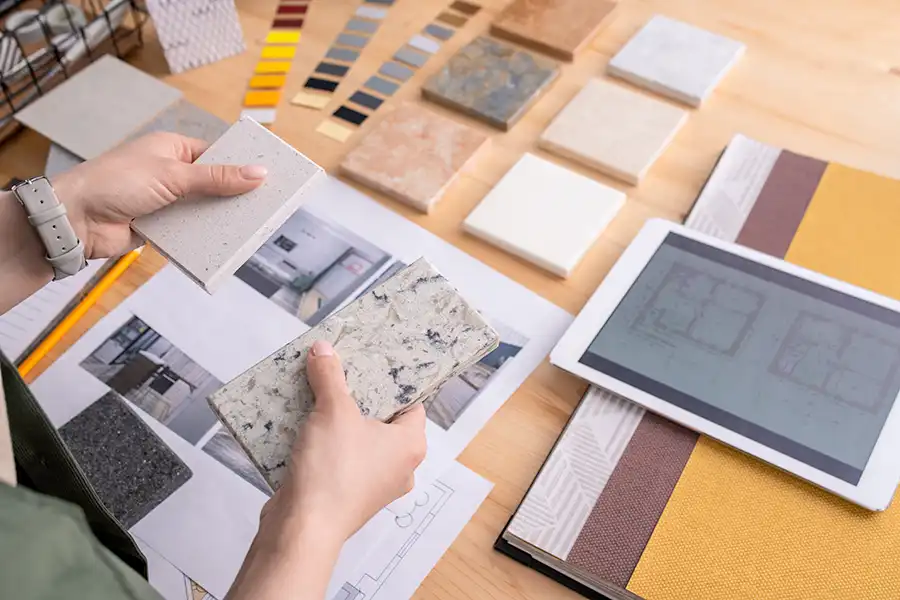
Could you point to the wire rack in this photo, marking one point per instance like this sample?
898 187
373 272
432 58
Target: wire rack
44 43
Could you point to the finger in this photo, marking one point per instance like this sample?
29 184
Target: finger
193 148
218 180
327 380
412 420
411 426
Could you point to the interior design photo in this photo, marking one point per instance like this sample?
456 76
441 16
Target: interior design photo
310 267
147 369
458 393
224 448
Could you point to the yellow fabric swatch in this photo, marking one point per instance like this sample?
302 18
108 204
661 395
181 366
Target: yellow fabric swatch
309 100
334 131
262 82
262 98
283 37
265 66
278 51
737 528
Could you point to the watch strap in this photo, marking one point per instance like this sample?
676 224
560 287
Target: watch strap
65 252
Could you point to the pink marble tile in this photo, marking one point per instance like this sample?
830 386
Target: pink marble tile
412 155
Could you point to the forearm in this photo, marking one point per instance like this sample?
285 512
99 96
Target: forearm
23 269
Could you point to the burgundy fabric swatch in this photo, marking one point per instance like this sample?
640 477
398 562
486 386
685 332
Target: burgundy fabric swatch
620 524
781 203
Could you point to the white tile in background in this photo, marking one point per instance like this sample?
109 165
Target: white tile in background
209 238
196 32
99 107
545 214
676 59
613 129
59 160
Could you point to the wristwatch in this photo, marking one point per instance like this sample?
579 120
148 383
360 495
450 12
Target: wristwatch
65 252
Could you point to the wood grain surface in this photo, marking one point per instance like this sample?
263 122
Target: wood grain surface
821 78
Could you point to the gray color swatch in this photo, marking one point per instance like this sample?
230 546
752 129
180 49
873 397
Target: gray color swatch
99 107
354 41
410 57
361 25
130 467
370 12
424 44
398 344
395 70
342 54
382 86
441 33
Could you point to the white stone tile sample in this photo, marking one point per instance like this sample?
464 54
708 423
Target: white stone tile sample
398 343
193 33
675 59
210 238
545 214
613 129
99 107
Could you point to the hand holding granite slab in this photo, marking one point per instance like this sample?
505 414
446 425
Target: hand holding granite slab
398 344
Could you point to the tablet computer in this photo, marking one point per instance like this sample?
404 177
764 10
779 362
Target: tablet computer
788 365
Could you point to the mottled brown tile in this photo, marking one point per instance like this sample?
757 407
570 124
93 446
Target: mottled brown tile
412 155
559 28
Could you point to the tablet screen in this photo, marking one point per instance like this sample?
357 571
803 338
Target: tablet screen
806 370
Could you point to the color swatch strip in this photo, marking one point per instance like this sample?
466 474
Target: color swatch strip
270 74
392 74
344 51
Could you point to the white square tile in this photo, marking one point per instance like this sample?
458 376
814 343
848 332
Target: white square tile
210 238
613 129
545 214
676 60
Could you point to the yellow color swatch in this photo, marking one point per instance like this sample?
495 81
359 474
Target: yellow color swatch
265 66
262 82
278 52
283 37
262 98
737 528
309 100
334 131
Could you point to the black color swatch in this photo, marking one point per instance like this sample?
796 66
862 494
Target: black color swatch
321 84
350 115
332 69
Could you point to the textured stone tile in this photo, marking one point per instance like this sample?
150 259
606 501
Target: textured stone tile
491 81
130 467
187 119
99 107
676 60
209 238
613 129
559 28
398 343
545 214
412 155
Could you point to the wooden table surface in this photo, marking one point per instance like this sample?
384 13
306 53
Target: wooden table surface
820 77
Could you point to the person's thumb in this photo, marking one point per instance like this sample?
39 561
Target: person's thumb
218 180
327 380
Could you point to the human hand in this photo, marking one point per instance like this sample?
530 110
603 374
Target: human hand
345 467
103 195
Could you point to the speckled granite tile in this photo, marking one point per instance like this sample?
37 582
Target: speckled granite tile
398 343
412 155
187 119
491 81
209 238
558 28
676 59
130 467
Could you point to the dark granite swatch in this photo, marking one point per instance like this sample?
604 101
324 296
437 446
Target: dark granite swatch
131 468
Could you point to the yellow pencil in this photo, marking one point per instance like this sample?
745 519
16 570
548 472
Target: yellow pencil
78 312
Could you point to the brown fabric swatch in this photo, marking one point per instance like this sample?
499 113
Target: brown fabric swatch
620 524
781 204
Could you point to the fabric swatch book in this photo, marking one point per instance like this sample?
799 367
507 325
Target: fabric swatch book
629 505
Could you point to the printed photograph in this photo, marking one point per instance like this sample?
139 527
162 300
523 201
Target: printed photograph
224 448
310 267
455 396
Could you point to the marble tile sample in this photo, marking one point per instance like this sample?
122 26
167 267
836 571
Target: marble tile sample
558 28
413 155
491 81
209 238
131 468
96 109
398 344
675 59
545 214
613 129
187 119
